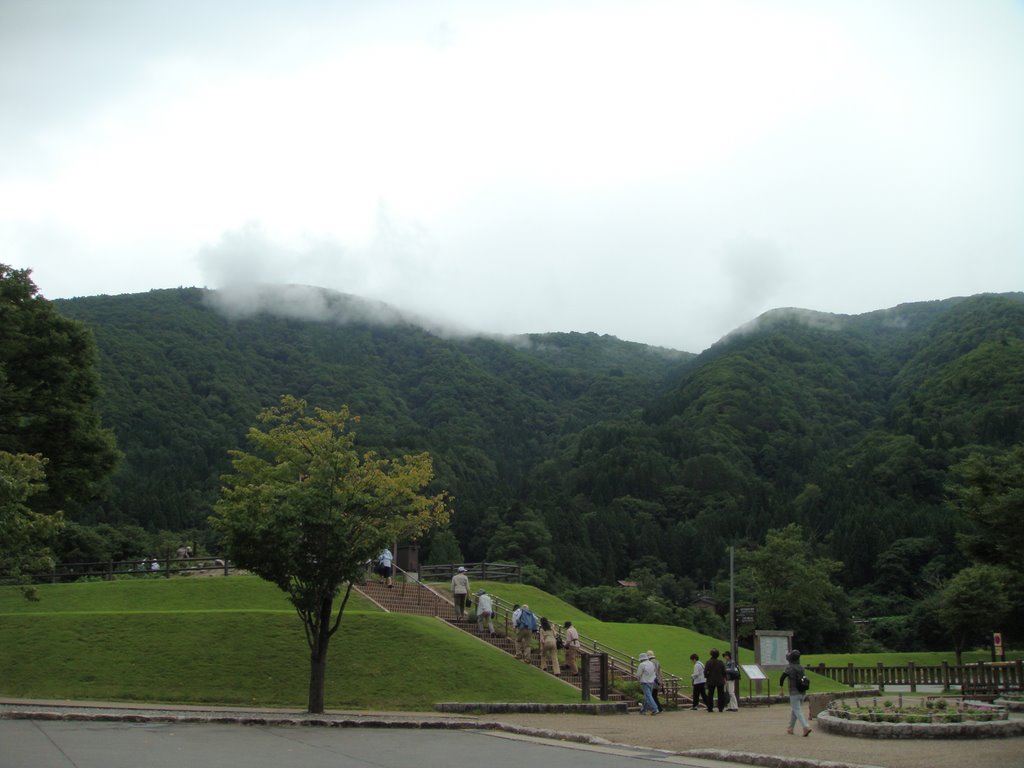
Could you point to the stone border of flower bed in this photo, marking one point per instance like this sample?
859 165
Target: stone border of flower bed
972 729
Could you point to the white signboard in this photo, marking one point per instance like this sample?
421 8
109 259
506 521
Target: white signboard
753 672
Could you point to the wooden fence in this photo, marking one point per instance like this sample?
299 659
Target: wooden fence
982 678
165 566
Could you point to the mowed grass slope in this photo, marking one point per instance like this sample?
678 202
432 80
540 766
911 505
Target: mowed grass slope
237 641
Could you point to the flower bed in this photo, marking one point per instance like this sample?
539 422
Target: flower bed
930 711
933 719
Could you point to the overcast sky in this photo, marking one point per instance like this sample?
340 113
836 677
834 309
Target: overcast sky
660 171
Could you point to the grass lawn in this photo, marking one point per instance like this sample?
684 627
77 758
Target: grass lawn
141 594
236 641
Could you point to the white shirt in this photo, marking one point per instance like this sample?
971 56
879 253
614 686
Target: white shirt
646 673
698 673
483 604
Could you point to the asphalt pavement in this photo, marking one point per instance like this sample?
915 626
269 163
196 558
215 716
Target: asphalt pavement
45 734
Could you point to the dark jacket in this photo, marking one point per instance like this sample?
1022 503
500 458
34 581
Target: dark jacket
714 672
794 672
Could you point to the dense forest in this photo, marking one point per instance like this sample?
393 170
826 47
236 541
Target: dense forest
588 458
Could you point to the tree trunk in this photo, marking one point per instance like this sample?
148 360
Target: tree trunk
318 657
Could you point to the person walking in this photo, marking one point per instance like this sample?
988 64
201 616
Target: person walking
657 679
645 675
793 674
548 647
699 682
732 682
572 647
526 625
484 612
460 591
383 567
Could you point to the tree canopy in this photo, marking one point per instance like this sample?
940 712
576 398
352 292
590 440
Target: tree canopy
306 511
48 392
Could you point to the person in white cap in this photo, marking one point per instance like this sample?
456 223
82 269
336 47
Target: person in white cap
657 678
645 675
460 590
484 611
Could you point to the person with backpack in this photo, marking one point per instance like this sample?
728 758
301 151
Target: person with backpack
798 685
732 682
525 625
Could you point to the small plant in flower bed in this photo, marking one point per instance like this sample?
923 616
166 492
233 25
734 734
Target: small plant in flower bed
929 711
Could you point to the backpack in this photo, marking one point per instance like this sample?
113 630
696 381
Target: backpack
803 684
732 670
527 621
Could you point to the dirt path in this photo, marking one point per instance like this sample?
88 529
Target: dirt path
761 730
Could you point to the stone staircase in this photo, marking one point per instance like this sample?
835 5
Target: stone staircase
416 598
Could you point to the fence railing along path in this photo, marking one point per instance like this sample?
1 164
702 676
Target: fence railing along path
600 665
984 678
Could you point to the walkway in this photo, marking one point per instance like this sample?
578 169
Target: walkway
754 735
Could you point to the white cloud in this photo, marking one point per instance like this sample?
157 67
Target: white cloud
661 171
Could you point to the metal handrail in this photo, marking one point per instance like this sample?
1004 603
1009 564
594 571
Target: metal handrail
483 571
619 661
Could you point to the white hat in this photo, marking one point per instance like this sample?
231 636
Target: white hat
643 657
461 569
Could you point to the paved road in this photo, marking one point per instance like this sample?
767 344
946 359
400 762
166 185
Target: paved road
59 744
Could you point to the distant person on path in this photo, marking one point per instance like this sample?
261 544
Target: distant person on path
645 675
657 678
525 625
793 673
484 611
714 675
460 590
182 553
732 682
548 647
384 561
572 647
699 682
154 565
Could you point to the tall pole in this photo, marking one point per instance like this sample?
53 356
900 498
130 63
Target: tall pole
732 605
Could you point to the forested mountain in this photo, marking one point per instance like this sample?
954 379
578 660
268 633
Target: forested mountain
586 457
184 375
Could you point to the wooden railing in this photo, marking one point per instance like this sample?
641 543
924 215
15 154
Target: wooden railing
475 571
621 666
165 566
982 677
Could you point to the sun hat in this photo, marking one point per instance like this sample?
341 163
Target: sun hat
643 657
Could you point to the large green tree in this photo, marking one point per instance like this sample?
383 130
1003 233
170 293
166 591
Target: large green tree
306 511
793 589
25 535
974 604
48 392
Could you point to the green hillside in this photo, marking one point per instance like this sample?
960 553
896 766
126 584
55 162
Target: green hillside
589 460
231 641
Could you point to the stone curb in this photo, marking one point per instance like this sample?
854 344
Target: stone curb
986 729
772 761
